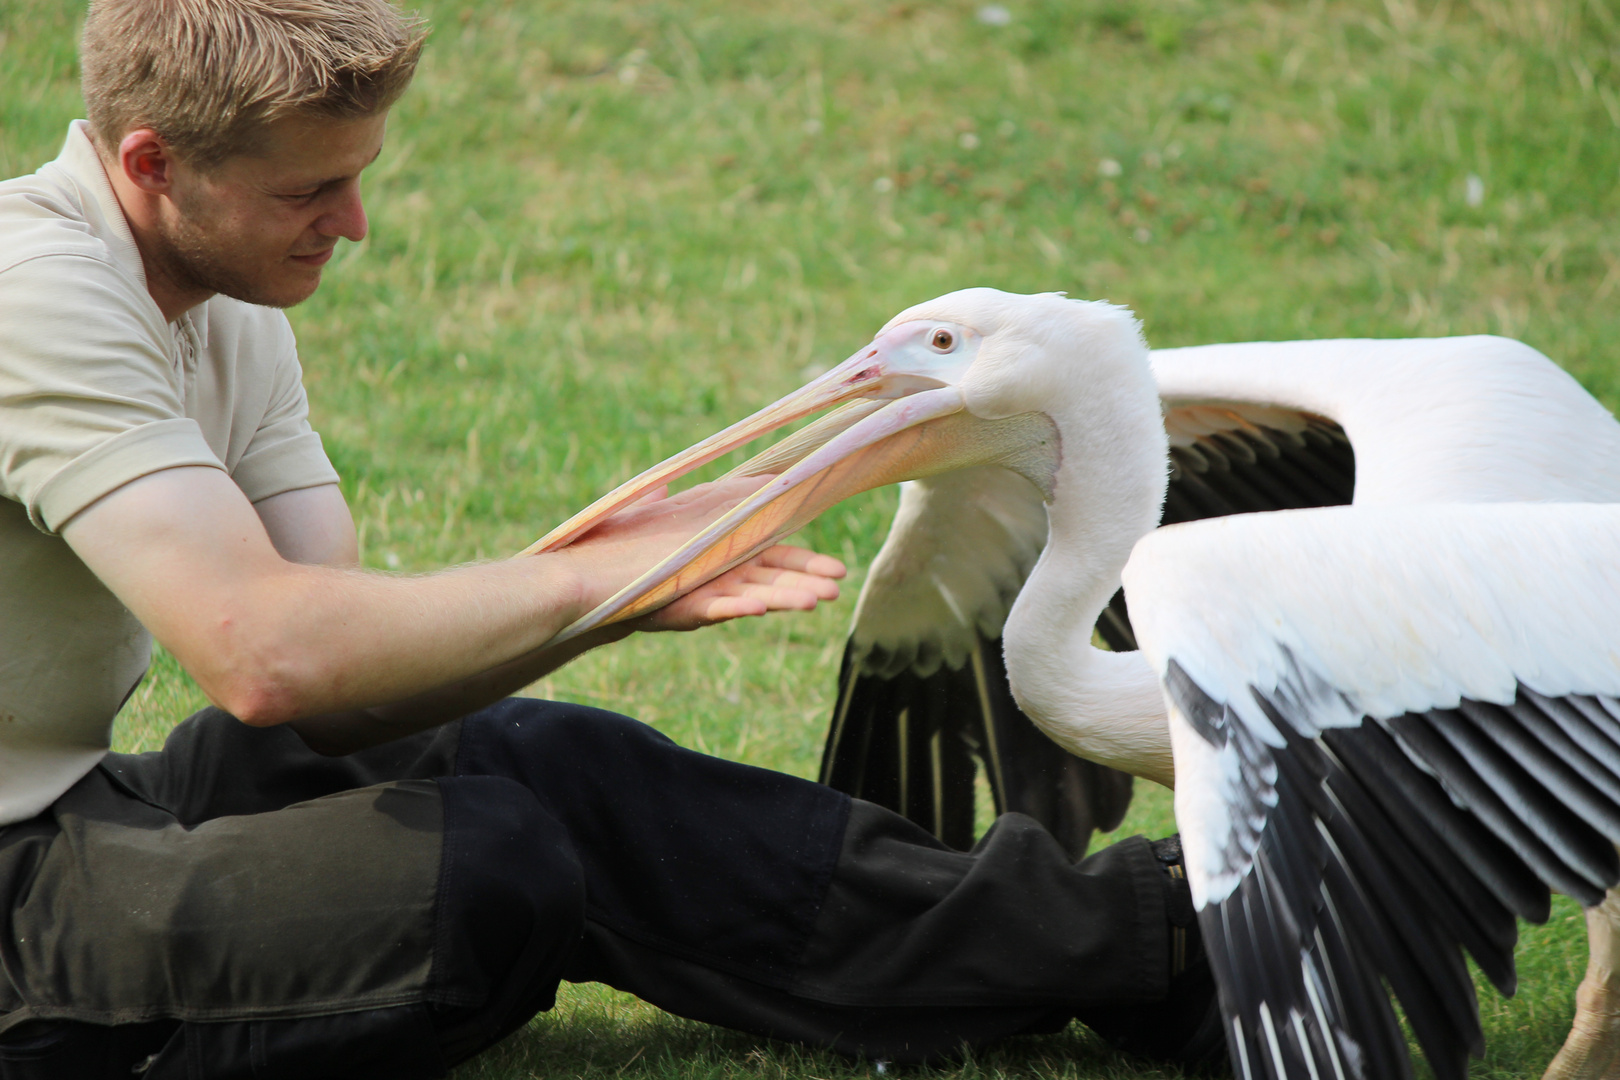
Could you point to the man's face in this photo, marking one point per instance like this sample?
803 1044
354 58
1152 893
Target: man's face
259 227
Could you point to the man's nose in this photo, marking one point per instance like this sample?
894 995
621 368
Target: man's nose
346 217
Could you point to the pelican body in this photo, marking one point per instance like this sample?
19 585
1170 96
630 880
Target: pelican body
1392 725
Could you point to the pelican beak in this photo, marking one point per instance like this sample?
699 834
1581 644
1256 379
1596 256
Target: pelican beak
864 375
908 423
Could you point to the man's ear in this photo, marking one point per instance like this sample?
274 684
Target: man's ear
146 161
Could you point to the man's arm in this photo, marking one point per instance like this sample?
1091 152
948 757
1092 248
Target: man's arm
312 526
271 638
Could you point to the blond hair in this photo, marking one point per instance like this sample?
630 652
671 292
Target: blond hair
207 75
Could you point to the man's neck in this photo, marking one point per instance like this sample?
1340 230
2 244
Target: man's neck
142 211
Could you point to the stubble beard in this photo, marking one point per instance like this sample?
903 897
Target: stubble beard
196 256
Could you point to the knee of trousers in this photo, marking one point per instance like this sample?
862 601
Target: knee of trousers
511 896
565 753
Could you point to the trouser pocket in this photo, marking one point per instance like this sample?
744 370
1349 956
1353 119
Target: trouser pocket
69 1050
397 1043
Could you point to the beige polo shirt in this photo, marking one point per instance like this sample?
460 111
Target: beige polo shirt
96 390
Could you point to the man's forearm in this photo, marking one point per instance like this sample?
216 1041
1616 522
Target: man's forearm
275 641
315 640
271 640
356 729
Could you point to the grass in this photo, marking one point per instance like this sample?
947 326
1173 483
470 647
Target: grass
601 230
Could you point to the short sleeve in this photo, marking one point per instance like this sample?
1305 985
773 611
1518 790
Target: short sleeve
88 398
285 453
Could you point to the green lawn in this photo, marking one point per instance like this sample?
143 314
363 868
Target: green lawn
601 230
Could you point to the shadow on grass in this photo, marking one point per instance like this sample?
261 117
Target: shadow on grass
595 1032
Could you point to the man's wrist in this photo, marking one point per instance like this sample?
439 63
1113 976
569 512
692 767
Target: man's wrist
568 580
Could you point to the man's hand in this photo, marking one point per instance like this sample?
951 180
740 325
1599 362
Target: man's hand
780 578
637 538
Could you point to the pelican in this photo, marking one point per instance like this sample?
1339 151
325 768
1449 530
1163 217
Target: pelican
1392 726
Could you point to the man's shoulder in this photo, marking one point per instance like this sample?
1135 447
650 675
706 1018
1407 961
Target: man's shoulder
67 288
40 218
59 273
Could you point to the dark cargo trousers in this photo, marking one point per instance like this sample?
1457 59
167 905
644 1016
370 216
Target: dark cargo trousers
236 906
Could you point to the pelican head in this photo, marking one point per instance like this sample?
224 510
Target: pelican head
971 378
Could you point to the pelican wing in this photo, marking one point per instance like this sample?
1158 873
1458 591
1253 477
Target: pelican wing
1239 457
1235 458
922 692
1283 425
1462 419
915 744
1394 728
959 549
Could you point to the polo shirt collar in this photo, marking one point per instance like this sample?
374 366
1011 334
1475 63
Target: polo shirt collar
82 165
105 217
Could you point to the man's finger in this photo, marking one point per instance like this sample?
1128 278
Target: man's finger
822 587
788 557
722 608
779 598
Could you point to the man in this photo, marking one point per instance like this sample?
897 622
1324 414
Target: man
368 862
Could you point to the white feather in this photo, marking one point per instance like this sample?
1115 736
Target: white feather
959 549
1465 419
1372 611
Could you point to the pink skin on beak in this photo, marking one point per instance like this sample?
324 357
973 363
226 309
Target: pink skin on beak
865 455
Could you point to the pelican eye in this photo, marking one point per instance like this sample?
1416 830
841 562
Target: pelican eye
943 340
